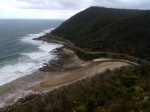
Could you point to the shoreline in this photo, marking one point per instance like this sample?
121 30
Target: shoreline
55 80
67 69
58 64
20 87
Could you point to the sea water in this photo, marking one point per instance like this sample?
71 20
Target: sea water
20 55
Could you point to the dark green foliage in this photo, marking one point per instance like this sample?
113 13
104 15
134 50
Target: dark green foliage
103 91
128 36
91 20
129 80
80 108
92 55
109 30
88 56
95 101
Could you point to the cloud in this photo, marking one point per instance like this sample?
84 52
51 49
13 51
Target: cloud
81 4
61 9
55 4
125 4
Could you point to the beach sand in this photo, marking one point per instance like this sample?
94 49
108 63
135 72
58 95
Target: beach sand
56 80
83 70
67 69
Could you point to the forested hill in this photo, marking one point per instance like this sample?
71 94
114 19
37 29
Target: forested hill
110 30
91 20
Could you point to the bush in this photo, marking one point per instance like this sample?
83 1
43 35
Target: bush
115 108
129 80
80 108
95 101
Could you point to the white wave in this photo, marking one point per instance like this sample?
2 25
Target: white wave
12 72
29 38
36 55
30 61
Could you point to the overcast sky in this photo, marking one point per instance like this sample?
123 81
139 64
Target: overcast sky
60 9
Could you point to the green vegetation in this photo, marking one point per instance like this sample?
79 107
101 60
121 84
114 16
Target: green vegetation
86 56
109 30
92 55
90 21
122 90
114 33
128 80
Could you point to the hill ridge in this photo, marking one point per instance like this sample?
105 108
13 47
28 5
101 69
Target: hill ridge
124 31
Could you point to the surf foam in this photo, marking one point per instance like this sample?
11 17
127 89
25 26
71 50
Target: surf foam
29 62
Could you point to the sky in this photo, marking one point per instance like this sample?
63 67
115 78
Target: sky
60 9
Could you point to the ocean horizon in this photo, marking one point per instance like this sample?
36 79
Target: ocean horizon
20 55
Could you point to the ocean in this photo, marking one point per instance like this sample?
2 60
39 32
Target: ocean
20 55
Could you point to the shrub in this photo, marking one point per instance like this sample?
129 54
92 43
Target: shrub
95 101
115 108
129 80
80 108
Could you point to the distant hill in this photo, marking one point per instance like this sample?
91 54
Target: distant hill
110 30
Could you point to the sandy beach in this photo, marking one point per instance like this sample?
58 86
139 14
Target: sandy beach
56 80
81 70
67 69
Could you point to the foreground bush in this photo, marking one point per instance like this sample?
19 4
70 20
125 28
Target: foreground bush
105 92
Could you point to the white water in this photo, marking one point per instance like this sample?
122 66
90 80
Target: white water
29 62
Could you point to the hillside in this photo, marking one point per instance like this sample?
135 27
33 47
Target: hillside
129 36
109 30
121 90
99 85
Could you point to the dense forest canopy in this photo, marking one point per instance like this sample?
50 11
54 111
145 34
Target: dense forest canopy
124 31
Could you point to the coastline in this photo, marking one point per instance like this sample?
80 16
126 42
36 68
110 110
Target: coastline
64 61
68 68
